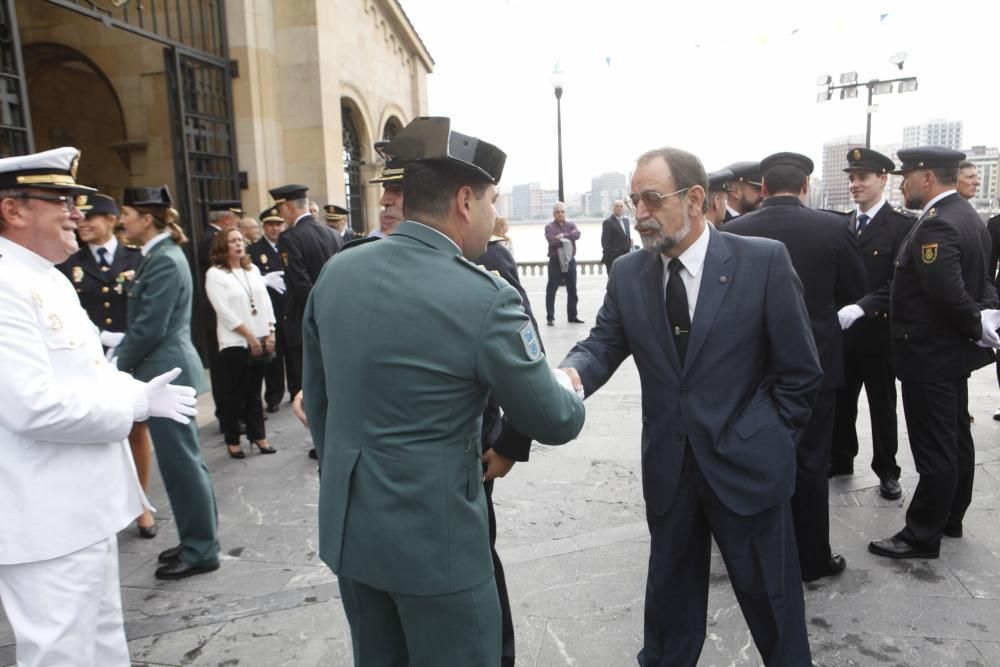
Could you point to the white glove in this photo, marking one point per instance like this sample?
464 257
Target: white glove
563 379
111 338
848 315
991 322
276 281
170 400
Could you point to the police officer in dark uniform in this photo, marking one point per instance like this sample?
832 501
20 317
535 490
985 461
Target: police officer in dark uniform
745 193
222 214
826 257
336 218
264 253
304 247
939 289
716 201
880 230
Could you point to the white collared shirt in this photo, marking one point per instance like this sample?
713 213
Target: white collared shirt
306 214
152 242
111 246
693 260
733 213
870 212
936 200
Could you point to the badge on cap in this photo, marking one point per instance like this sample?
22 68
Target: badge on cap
857 154
530 340
928 252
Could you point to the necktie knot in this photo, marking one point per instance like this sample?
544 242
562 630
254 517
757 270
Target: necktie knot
102 254
675 265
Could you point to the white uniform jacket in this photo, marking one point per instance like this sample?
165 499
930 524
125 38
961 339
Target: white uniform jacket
67 479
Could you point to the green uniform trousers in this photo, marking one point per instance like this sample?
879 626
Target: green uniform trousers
189 488
394 630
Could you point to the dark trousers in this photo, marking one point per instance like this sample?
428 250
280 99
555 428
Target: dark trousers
214 369
274 373
556 277
874 371
937 420
507 622
189 488
394 630
293 368
759 552
811 500
241 395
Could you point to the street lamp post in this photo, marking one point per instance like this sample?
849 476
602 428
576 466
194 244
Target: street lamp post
557 84
849 85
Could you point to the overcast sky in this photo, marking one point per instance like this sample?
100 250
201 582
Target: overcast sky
726 80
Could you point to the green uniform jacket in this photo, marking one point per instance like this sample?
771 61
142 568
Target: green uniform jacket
159 319
404 340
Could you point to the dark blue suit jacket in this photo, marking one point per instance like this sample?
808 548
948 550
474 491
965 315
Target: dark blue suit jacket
750 377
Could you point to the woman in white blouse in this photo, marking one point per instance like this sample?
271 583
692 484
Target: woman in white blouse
245 330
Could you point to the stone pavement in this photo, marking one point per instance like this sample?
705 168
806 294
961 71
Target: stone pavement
573 541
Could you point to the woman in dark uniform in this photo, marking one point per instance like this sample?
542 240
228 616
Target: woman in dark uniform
101 271
158 339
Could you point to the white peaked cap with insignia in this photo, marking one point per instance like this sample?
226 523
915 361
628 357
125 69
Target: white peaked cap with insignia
51 170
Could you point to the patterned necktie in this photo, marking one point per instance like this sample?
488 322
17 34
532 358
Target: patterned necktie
862 222
677 308
102 259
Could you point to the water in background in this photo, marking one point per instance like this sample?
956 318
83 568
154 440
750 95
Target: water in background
529 241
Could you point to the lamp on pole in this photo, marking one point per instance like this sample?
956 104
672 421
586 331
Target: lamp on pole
849 85
557 85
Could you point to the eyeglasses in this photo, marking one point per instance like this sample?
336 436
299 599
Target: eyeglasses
651 198
68 203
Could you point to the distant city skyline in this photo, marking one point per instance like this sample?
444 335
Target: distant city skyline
727 90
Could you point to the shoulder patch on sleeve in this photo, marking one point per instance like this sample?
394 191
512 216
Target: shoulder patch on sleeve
530 340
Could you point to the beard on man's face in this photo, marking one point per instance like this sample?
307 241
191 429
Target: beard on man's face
658 241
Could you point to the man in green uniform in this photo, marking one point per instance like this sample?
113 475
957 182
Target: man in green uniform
397 423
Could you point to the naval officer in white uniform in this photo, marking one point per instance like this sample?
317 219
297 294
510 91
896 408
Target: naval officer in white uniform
67 479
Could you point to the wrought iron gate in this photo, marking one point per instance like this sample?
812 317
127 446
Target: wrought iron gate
15 121
353 188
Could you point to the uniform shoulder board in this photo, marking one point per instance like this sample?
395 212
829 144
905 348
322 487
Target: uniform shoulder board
903 212
132 246
359 241
482 271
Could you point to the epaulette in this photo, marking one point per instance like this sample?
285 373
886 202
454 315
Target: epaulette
495 239
359 241
905 213
482 271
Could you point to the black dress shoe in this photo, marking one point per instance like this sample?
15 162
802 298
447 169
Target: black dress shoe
576 320
147 532
179 570
550 322
893 547
952 531
313 455
272 408
833 567
170 555
890 489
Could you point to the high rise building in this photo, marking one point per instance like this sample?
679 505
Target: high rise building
934 132
836 196
530 202
604 190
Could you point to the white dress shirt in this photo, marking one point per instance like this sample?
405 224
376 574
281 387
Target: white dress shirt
870 213
67 479
936 200
693 260
111 246
151 243
227 292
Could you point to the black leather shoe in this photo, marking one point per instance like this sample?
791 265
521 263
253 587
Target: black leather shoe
313 455
890 488
170 555
576 320
833 567
893 547
952 531
179 570
272 408
551 323
837 469
147 532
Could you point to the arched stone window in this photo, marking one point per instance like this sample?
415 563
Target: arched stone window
353 187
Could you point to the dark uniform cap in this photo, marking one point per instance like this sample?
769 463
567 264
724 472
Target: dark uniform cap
51 170
718 181
786 159
747 172
334 212
432 139
392 172
865 159
928 157
288 193
148 197
270 214
98 204
232 205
